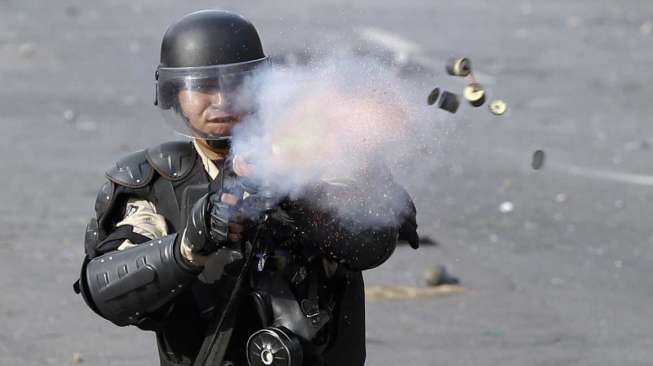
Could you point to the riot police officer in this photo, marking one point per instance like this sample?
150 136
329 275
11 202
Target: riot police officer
170 249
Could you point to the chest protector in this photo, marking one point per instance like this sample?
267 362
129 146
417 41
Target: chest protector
284 313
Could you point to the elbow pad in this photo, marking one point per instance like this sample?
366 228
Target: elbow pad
124 286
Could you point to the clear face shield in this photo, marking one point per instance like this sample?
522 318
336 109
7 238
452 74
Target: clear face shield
207 101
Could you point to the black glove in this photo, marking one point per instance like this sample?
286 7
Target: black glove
214 220
214 223
408 229
408 224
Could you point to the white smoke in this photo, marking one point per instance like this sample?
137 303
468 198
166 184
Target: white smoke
331 121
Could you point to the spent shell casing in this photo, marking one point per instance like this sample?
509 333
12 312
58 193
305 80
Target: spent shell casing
449 102
537 162
433 96
458 66
475 94
498 107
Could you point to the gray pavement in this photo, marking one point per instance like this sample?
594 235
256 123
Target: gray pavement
562 279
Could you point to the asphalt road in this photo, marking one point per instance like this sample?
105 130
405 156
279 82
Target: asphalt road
560 279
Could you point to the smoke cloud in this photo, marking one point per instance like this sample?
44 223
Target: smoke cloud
341 119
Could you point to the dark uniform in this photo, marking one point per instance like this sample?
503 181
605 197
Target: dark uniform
306 291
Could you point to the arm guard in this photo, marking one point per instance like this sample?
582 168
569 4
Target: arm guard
125 286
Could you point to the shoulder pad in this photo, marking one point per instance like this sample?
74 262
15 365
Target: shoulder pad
173 160
132 171
104 197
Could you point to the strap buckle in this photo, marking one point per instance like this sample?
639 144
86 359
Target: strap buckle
311 310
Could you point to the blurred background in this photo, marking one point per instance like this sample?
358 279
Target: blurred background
555 263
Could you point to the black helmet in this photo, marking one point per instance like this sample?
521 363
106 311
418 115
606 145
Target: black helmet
206 49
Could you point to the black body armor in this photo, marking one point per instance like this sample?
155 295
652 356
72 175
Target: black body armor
148 286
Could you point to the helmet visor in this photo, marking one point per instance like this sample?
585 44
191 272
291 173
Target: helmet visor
206 101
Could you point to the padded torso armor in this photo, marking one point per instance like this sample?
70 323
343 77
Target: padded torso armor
172 177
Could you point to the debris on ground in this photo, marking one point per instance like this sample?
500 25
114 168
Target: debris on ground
506 207
438 276
408 293
77 358
69 115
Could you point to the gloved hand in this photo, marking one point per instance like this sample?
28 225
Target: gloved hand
226 223
408 228
214 223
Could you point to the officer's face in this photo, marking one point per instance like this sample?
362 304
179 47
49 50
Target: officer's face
206 110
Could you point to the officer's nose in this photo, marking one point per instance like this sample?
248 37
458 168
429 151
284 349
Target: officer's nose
217 98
